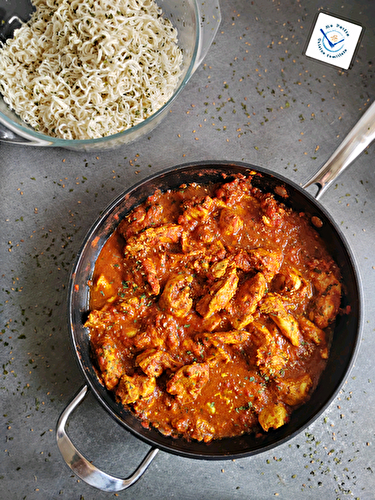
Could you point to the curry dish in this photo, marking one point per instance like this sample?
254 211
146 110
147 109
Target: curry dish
211 310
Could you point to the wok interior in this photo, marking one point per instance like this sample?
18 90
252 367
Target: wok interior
346 334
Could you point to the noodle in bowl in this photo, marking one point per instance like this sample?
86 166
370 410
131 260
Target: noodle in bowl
93 75
83 70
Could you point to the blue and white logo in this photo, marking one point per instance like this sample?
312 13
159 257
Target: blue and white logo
334 40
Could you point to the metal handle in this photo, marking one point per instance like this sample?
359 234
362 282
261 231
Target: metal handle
361 135
209 21
9 133
82 467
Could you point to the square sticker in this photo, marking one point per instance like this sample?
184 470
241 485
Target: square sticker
334 40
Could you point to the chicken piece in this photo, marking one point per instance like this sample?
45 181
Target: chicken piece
273 416
245 302
232 192
201 263
203 431
181 424
210 346
271 359
293 287
229 222
195 213
211 323
218 269
287 282
216 250
273 212
233 337
260 334
151 275
106 288
264 261
153 237
327 304
122 316
295 391
175 298
272 355
189 247
194 347
311 331
205 235
141 218
204 246
188 381
110 362
149 338
288 325
314 333
219 294
154 361
293 281
130 389
163 331
98 320
218 356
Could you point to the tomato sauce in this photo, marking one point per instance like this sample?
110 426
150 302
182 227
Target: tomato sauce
212 309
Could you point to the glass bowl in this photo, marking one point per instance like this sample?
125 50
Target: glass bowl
196 22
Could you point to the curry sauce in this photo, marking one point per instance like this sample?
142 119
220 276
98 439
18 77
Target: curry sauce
211 310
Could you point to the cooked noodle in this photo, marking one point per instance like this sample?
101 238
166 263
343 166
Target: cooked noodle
88 69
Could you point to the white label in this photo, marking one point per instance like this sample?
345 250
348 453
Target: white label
333 40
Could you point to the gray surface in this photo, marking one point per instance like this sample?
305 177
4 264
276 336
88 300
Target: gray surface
235 107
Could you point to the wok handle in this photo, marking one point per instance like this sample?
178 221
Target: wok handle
85 469
361 135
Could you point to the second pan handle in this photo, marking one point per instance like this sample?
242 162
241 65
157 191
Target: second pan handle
361 135
82 467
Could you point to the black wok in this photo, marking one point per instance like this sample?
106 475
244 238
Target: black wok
343 350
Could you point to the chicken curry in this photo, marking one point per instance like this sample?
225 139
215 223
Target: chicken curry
211 309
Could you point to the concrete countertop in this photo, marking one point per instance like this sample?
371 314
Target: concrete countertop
256 98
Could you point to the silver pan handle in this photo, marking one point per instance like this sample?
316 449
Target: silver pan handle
85 469
361 135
